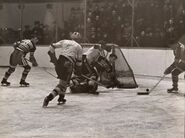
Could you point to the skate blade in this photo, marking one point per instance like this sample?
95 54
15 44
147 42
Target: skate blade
143 93
62 103
173 92
5 85
24 85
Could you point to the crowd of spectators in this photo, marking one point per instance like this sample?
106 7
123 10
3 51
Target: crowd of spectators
156 23
45 34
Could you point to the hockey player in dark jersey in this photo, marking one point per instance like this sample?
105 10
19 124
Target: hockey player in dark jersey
94 63
21 48
80 84
178 66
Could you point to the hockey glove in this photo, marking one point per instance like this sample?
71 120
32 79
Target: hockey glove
170 68
53 58
33 61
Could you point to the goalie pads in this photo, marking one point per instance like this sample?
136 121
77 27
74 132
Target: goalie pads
102 64
52 56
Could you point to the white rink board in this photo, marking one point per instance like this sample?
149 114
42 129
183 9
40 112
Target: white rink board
150 62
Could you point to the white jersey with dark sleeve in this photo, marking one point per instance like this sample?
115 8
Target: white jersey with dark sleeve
69 48
92 54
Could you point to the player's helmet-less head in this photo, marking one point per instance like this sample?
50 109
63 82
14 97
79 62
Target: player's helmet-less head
75 36
34 39
104 46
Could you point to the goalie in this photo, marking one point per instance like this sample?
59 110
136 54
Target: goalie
80 84
21 48
94 63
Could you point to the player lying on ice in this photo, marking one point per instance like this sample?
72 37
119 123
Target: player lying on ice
94 64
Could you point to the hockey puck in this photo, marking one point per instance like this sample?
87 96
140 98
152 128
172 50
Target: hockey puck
147 90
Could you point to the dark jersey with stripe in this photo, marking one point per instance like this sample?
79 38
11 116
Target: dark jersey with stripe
25 46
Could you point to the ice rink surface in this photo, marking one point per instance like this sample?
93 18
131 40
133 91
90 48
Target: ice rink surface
114 113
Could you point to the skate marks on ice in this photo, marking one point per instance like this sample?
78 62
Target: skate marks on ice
117 113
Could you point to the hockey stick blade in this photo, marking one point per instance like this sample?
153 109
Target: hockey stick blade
149 91
143 93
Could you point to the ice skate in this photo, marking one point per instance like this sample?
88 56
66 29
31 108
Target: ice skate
23 83
61 99
4 82
172 90
62 102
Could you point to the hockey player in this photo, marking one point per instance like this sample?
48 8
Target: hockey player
80 84
70 58
178 66
112 74
94 63
96 56
21 48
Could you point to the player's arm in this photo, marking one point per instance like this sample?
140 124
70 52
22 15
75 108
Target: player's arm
52 54
177 54
32 57
78 62
53 46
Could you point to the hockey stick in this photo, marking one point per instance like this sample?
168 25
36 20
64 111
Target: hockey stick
93 81
44 68
147 92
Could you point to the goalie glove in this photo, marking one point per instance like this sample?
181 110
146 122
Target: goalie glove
53 58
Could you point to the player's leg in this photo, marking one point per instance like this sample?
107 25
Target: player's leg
10 70
14 59
175 73
64 70
25 72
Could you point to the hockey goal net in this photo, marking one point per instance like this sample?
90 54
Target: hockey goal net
122 69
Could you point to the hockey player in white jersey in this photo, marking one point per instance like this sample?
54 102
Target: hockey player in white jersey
96 56
70 58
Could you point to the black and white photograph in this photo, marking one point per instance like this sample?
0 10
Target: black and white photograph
92 68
